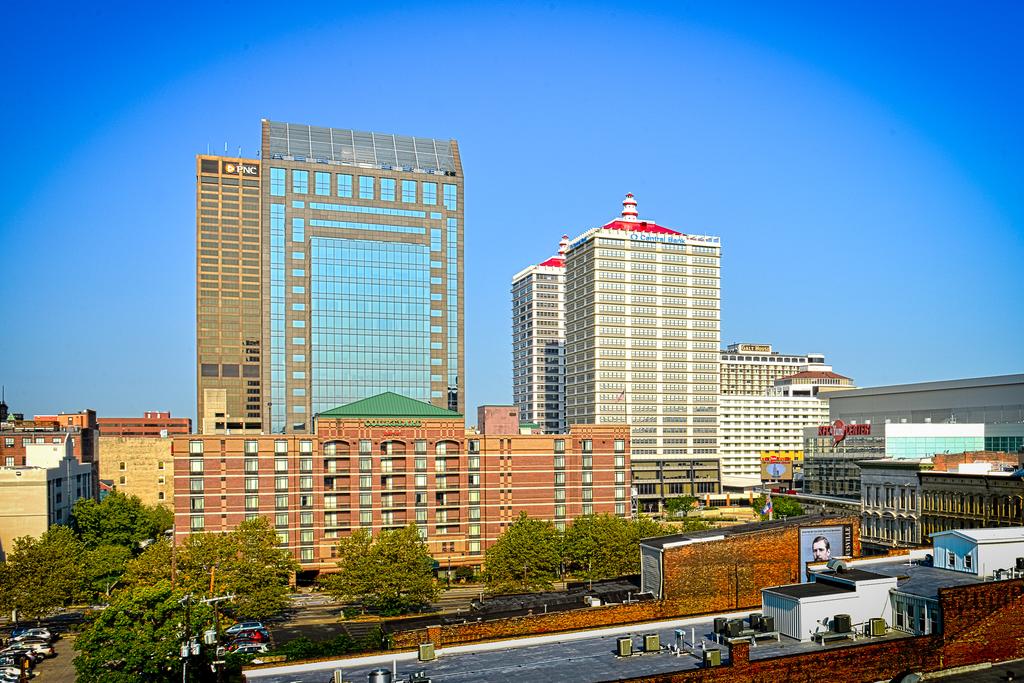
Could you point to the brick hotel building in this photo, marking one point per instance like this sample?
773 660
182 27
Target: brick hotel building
389 461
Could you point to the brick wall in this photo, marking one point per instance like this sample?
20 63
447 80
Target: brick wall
946 462
982 623
730 573
703 578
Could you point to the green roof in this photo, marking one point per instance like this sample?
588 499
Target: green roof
390 404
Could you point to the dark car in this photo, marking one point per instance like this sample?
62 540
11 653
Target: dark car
258 635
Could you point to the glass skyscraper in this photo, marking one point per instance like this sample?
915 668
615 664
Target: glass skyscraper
362 270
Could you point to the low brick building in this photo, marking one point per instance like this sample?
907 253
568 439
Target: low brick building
389 461
152 423
725 569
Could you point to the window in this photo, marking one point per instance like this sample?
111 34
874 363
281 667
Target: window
430 193
195 447
365 446
281 465
968 561
252 448
198 523
195 466
277 182
323 183
387 189
409 191
252 484
252 465
280 483
281 519
300 181
451 201
559 445
344 185
588 446
365 187
620 445
281 502
252 502
123 466
950 559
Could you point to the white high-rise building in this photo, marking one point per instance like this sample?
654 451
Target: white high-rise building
642 348
538 342
771 422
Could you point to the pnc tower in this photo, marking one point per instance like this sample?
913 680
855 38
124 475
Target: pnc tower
329 270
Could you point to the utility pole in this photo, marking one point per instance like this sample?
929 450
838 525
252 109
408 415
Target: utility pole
215 601
186 647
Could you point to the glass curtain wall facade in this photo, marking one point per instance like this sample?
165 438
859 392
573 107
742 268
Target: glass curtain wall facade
364 265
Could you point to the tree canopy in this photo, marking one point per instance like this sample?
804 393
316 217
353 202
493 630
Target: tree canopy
138 636
391 572
245 562
43 573
525 557
605 546
119 519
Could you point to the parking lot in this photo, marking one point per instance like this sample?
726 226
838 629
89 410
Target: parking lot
60 667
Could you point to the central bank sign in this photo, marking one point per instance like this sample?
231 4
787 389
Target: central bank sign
392 423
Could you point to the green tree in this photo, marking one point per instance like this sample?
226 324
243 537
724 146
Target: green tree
604 546
245 563
103 568
392 572
679 505
137 638
526 557
43 573
782 506
118 520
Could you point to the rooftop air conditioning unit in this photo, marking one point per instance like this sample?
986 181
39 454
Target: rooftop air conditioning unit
624 647
652 642
426 653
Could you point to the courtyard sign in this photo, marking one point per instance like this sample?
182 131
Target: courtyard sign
392 423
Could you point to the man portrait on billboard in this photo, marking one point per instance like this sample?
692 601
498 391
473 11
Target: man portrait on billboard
821 549
820 544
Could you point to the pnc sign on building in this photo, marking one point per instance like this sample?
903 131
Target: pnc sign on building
839 430
235 168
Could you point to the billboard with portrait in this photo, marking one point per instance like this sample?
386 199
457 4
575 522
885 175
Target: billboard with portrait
823 543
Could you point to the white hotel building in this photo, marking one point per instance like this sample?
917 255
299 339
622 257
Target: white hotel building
538 343
751 425
642 348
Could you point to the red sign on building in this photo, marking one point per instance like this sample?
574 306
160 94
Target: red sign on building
839 430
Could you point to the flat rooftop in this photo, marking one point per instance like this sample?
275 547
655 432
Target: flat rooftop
921 580
579 657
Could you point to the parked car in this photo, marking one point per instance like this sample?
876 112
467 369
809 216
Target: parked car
243 626
23 652
45 649
251 649
43 633
259 635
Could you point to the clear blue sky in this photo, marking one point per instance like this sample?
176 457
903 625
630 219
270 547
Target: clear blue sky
863 165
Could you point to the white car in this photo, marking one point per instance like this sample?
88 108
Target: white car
252 649
34 633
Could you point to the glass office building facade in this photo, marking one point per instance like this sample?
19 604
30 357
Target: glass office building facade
363 261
